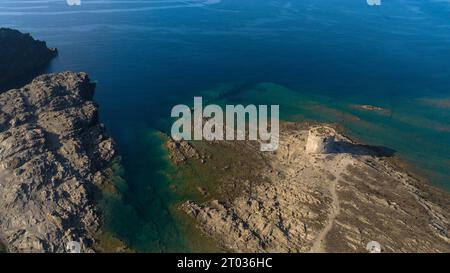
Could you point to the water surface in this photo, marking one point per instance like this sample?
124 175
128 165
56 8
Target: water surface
317 59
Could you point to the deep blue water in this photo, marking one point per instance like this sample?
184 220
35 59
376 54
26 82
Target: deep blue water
316 58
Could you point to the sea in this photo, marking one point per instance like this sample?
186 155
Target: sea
320 60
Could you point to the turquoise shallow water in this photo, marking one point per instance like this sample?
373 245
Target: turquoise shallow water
317 59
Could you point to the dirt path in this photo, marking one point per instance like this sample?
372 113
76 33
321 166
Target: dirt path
320 241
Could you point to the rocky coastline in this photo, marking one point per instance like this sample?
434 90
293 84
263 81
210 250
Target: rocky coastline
54 157
21 54
320 192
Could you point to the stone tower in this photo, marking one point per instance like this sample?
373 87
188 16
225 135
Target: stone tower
320 140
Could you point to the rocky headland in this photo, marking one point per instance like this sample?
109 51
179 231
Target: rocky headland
54 157
20 54
319 192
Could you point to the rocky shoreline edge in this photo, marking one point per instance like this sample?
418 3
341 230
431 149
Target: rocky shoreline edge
320 192
55 156
21 55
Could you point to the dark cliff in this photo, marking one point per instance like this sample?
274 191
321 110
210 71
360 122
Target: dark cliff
21 54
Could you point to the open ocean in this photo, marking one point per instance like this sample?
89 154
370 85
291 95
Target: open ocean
317 59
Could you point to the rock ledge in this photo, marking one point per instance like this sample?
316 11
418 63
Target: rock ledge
53 151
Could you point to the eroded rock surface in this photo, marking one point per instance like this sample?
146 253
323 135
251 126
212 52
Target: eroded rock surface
337 201
53 151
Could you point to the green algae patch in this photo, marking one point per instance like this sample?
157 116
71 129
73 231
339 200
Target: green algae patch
2 248
107 242
197 242
110 186
222 170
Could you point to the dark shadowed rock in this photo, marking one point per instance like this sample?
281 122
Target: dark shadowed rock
52 146
20 54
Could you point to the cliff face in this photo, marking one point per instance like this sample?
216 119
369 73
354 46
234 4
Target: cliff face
53 151
21 54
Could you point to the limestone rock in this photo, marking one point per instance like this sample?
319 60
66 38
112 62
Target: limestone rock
332 202
320 140
51 145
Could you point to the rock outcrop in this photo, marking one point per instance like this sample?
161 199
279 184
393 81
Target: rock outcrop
20 54
320 140
53 153
297 201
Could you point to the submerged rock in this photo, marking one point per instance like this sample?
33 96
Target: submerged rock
52 148
20 54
